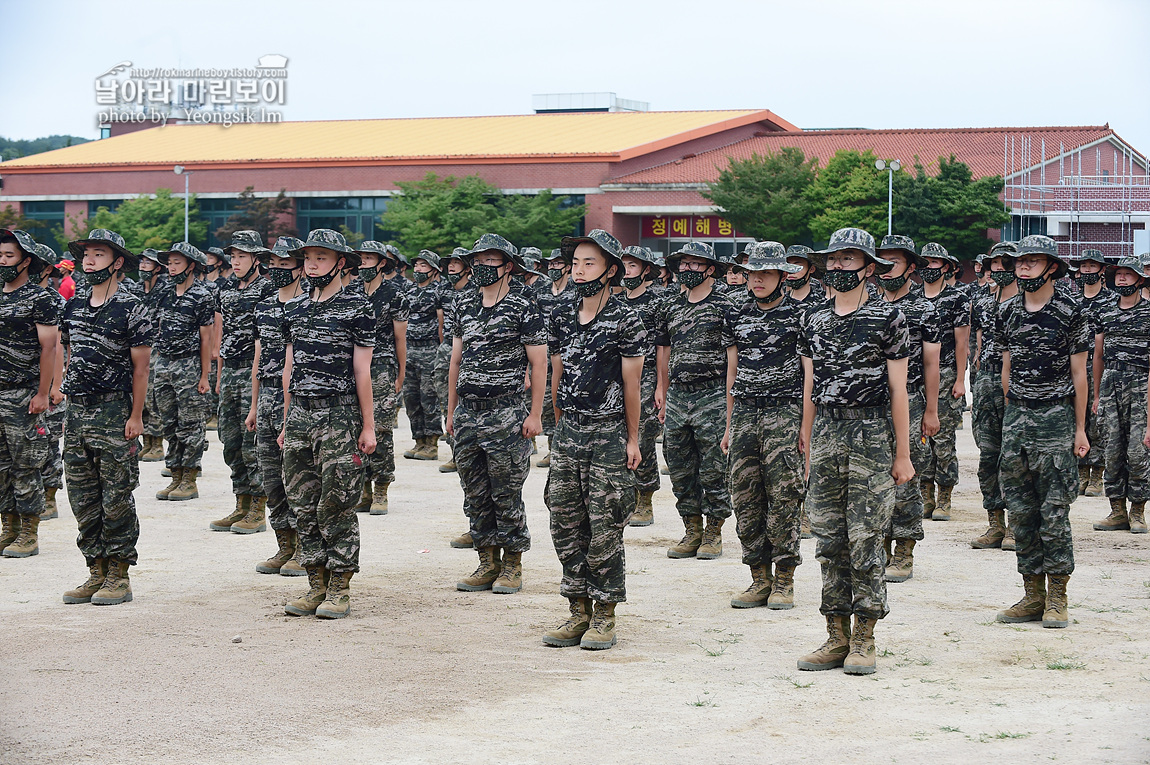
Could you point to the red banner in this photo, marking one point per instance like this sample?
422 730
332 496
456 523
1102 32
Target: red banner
687 227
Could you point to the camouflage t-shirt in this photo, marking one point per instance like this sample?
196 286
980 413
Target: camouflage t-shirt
323 336
1094 306
953 307
447 299
695 333
849 353
20 311
423 324
269 328
1126 337
592 355
1041 344
389 302
922 327
647 306
494 360
984 319
132 286
181 317
238 306
100 341
768 346
549 301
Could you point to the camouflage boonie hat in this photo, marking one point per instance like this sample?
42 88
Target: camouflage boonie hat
328 239
769 256
461 254
639 253
851 239
189 251
902 243
48 256
430 258
22 239
1037 244
246 241
1145 258
694 249
379 249
285 247
660 260
801 251
531 255
103 236
936 250
151 254
749 247
1133 262
225 258
555 254
395 253
605 241
499 244
1094 255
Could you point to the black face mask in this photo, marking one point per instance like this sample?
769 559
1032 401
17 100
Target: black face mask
632 282
692 279
320 282
771 297
930 275
555 274
844 281
1093 278
798 284
1002 278
591 288
12 273
148 276
368 273
421 277
181 277
1032 285
453 278
281 277
485 275
99 277
893 283
1126 290
387 267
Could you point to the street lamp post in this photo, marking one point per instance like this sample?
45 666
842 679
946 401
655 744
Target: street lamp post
181 170
890 167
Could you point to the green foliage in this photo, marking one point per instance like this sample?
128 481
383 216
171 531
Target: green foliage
439 214
951 208
145 221
10 218
848 192
766 196
13 148
270 216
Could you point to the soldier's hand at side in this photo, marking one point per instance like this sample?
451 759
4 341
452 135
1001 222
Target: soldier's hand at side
449 426
133 428
367 441
1094 407
399 384
202 386
725 442
38 404
930 425
634 457
802 444
55 396
250 420
902 470
661 404
532 426
959 389
280 439
1081 444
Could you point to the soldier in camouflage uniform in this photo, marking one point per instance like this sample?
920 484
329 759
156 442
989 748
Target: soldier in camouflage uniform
183 347
424 333
392 309
597 347
284 264
764 415
216 276
28 336
330 423
52 473
153 281
854 349
532 256
693 360
238 299
457 274
953 308
922 395
641 294
1120 377
108 335
557 289
1045 336
802 285
497 332
1096 297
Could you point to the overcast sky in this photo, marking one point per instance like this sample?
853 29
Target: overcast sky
848 63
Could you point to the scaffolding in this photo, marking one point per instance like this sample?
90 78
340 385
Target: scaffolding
1103 182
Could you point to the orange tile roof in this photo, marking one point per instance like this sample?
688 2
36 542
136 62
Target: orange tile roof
610 136
980 148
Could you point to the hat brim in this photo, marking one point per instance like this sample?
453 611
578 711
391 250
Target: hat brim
784 267
76 248
917 259
251 249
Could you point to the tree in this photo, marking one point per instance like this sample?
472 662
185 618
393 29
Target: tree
270 216
11 219
848 192
146 221
439 214
964 208
13 148
766 196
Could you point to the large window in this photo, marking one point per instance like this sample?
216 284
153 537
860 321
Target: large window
216 212
1023 225
360 214
95 204
49 215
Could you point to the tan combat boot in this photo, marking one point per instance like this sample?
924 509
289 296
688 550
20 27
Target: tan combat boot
994 534
1094 489
861 659
1118 520
546 461
1008 536
601 634
243 505
834 652
410 453
317 579
927 488
1033 602
489 569
644 514
11 529
942 504
285 552
1083 479
570 632
117 588
760 590
27 543
153 449
463 541
337 604
187 488
712 543
805 525
449 466
50 509
1137 517
84 593
379 498
901 566
1056 615
365 497
256 519
430 450
292 567
177 476
510 574
166 472
689 544
783 590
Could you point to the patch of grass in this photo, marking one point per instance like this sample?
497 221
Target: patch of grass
1065 663
792 681
1106 575
948 729
719 651
702 702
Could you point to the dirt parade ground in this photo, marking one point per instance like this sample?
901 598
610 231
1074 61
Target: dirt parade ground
204 667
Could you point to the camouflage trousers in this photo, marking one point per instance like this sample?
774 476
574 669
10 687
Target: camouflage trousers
419 397
153 425
906 520
1123 410
986 418
23 453
323 472
591 496
1096 429
1039 482
53 471
213 397
942 467
385 404
103 472
183 410
692 436
269 422
239 443
850 502
767 480
493 459
442 372
647 474
548 410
